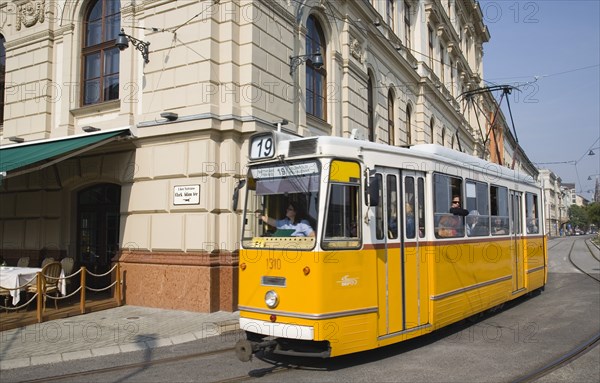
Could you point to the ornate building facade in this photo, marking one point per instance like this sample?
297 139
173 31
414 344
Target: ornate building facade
137 149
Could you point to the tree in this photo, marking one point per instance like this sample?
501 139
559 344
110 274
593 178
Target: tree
593 213
578 217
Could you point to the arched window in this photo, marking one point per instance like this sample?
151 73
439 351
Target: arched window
370 108
2 72
408 125
444 137
391 124
99 56
315 78
432 129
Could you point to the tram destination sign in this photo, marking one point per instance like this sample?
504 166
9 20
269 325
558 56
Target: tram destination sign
285 170
186 195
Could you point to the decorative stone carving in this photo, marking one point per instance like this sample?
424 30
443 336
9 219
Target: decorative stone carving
356 49
30 13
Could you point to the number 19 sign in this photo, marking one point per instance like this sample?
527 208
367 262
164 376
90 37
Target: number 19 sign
262 146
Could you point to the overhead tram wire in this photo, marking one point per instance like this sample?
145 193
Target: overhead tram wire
214 2
506 89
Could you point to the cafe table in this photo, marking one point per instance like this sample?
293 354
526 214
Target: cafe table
15 277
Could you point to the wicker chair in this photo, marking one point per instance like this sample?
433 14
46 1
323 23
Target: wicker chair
50 273
23 262
68 264
47 261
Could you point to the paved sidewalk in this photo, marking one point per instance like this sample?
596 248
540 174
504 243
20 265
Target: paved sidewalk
112 331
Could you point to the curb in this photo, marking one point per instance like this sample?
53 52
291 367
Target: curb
225 327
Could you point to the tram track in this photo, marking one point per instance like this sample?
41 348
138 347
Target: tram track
163 361
587 243
144 364
579 268
579 350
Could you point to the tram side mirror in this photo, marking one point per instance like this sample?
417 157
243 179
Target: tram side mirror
372 188
236 194
374 191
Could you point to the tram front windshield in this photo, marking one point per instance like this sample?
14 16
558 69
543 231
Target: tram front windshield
281 207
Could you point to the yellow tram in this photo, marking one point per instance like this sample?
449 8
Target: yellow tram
381 257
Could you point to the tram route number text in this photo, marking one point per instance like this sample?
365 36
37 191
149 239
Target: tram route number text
262 147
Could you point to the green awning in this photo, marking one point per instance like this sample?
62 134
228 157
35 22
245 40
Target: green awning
44 153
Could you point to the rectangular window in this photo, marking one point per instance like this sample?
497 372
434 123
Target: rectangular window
409 207
430 36
342 218
421 206
478 220
442 65
379 208
531 204
451 78
389 9
448 195
392 206
281 204
407 18
499 210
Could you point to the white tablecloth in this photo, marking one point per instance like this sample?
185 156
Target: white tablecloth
13 277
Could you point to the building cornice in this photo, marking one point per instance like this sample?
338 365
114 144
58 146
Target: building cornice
30 39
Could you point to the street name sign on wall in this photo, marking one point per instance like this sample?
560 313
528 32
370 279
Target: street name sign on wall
186 195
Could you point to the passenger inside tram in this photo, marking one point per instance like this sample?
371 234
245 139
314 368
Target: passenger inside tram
499 227
475 227
410 220
293 224
452 225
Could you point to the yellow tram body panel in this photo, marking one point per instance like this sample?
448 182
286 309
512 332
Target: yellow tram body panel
359 300
316 283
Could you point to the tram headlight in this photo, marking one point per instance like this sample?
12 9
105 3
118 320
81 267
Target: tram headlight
271 299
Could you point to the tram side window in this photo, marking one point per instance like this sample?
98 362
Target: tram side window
478 220
421 206
379 209
409 207
448 196
392 206
342 217
499 210
531 204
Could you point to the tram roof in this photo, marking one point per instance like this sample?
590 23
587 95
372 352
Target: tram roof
435 152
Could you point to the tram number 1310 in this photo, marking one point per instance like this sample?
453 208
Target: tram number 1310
273 263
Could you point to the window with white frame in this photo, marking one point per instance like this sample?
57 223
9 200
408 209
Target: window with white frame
99 55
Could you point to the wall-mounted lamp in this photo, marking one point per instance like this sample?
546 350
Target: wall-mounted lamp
16 139
122 43
90 129
317 60
591 153
169 116
590 177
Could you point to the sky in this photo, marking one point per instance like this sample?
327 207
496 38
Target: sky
550 49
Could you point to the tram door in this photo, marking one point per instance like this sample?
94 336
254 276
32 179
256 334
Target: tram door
415 266
395 273
516 232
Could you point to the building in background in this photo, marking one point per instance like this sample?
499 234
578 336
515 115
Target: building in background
557 200
131 155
